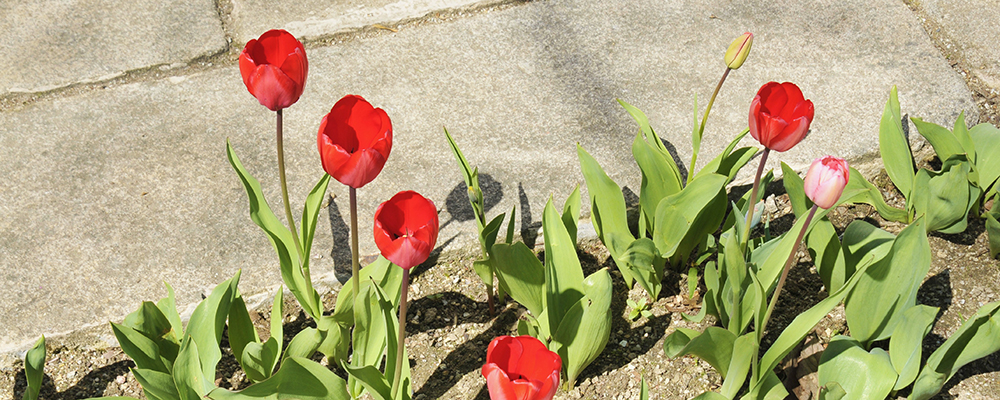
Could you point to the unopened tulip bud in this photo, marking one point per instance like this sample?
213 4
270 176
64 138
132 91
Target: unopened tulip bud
825 180
738 50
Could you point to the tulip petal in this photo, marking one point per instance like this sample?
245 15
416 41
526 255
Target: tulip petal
272 88
360 168
793 97
526 389
790 135
754 115
296 67
499 385
774 97
770 129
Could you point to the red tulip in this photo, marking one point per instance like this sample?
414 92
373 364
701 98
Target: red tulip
274 69
521 368
406 228
825 180
354 141
780 116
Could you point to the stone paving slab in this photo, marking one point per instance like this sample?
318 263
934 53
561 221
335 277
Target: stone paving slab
316 18
974 26
48 44
107 193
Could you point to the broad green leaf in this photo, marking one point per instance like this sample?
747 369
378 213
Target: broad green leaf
156 385
113 398
151 322
310 213
258 359
241 330
142 350
373 380
945 143
305 343
607 210
859 190
863 243
732 263
277 323
563 273
945 196
711 396
280 237
645 265
889 287
387 276
993 227
34 366
521 272
961 133
189 378
298 378
861 374
795 187
769 388
894 147
684 218
389 316
168 307
369 336
571 213
335 340
832 391
907 342
584 331
489 234
978 337
803 323
828 255
659 176
714 345
207 322
986 139
743 352
484 270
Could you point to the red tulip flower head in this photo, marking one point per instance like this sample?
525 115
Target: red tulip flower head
521 368
780 116
406 229
825 180
354 141
274 69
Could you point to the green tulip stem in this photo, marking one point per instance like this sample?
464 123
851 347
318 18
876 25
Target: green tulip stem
355 263
788 266
704 118
401 343
284 189
753 195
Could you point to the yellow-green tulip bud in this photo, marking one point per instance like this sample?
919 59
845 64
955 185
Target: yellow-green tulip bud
738 51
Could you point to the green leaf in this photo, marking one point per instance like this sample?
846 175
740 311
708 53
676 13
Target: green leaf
404 391
277 324
373 380
945 196
310 213
684 218
156 385
168 307
744 349
643 390
889 287
191 380
563 273
795 187
731 261
207 322
861 374
151 322
961 133
728 163
298 378
986 139
803 323
907 342
521 272
369 334
993 227
978 337
828 255
584 330
258 359
769 388
832 391
241 330
488 236
280 237
510 225
659 176
945 143
863 243
142 350
387 276
894 147
34 366
710 396
859 190
463 164
571 213
305 343
607 210
645 265
335 340
714 345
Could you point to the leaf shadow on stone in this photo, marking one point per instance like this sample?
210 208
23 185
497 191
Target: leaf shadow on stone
92 384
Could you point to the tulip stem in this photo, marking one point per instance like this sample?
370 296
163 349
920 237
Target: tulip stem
401 343
704 118
284 189
788 266
355 263
753 195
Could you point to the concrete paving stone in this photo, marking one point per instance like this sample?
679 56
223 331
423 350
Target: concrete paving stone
974 27
49 44
309 19
110 192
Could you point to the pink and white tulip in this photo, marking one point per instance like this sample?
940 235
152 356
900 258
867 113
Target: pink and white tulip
825 180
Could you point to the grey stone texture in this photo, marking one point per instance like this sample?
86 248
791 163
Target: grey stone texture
48 44
107 193
974 27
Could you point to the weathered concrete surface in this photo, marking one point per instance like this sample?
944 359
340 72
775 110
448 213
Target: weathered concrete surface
49 44
315 18
972 26
109 192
